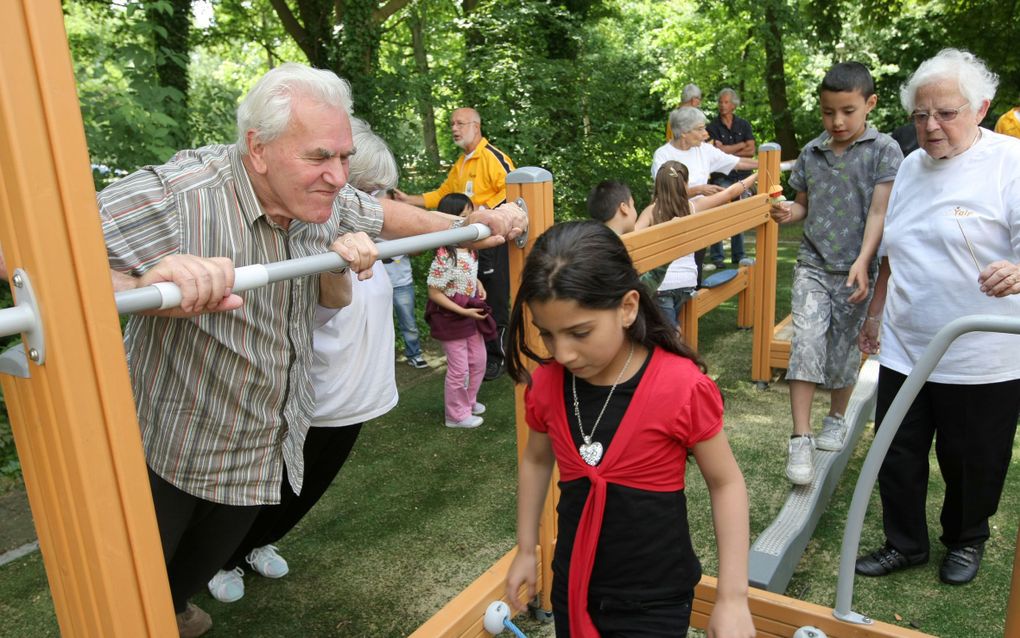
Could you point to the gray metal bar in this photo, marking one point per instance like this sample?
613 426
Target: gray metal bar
883 439
167 295
16 319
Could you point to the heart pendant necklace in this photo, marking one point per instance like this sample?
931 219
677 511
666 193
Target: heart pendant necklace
591 451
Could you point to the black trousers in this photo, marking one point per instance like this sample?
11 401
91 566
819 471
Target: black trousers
197 536
617 618
325 452
973 427
494 273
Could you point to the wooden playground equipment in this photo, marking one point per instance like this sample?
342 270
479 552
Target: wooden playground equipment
71 405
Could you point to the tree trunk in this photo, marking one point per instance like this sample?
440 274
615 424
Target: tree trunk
171 34
775 83
426 102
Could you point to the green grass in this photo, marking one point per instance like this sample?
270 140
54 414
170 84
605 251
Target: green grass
419 511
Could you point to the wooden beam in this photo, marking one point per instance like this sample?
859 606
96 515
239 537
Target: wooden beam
74 418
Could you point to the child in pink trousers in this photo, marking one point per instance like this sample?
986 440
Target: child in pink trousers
459 319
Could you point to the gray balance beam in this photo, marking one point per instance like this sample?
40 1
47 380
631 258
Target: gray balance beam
777 550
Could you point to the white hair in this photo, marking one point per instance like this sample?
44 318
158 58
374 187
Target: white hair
689 92
267 107
977 83
684 119
734 96
372 166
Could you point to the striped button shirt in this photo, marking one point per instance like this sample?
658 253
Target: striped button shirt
224 400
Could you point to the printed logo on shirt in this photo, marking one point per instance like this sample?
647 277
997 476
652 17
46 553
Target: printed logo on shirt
469 188
959 211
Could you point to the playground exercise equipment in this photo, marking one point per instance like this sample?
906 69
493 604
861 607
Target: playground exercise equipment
74 416
25 315
497 618
778 548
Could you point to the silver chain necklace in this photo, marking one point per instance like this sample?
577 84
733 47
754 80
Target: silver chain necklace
591 451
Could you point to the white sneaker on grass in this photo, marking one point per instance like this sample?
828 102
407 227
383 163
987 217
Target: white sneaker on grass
800 467
227 586
833 434
468 423
267 562
478 408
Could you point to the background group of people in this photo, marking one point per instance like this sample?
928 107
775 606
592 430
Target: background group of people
953 201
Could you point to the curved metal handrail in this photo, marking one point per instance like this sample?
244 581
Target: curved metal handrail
883 438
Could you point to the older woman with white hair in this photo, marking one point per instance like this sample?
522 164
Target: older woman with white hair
689 126
951 245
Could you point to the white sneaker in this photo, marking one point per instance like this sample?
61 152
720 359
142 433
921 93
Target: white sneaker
747 261
227 587
833 434
267 562
800 467
708 267
470 422
479 408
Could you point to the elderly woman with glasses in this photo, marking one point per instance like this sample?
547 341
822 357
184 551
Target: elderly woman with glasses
951 246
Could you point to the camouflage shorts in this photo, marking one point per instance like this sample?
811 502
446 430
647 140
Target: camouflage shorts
825 328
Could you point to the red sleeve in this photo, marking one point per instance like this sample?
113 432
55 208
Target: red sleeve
534 412
702 417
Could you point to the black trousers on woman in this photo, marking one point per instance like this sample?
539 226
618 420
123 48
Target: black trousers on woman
973 428
325 452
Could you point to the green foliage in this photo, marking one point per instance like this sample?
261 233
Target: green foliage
124 108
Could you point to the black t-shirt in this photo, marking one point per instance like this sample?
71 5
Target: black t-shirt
644 550
739 132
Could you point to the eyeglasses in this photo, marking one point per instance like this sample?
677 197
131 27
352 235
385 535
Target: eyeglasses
456 124
941 115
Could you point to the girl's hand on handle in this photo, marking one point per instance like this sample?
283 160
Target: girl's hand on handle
522 571
730 619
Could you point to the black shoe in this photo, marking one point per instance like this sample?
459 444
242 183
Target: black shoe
960 565
886 560
493 370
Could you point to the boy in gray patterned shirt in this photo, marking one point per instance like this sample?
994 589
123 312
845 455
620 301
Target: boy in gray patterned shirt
843 179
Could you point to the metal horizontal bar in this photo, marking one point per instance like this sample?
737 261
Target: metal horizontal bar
167 295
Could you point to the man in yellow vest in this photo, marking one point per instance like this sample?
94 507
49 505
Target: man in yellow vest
480 173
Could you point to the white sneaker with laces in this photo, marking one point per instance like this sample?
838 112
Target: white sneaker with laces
833 434
227 587
468 423
800 467
479 408
267 562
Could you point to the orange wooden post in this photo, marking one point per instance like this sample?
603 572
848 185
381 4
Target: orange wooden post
764 288
534 186
1013 608
74 416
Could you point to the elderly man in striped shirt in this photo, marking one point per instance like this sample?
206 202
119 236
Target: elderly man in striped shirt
222 384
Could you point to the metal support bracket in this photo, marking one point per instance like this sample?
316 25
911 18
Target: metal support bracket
25 318
522 240
853 618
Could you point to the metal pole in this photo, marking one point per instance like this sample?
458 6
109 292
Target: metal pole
883 439
167 295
